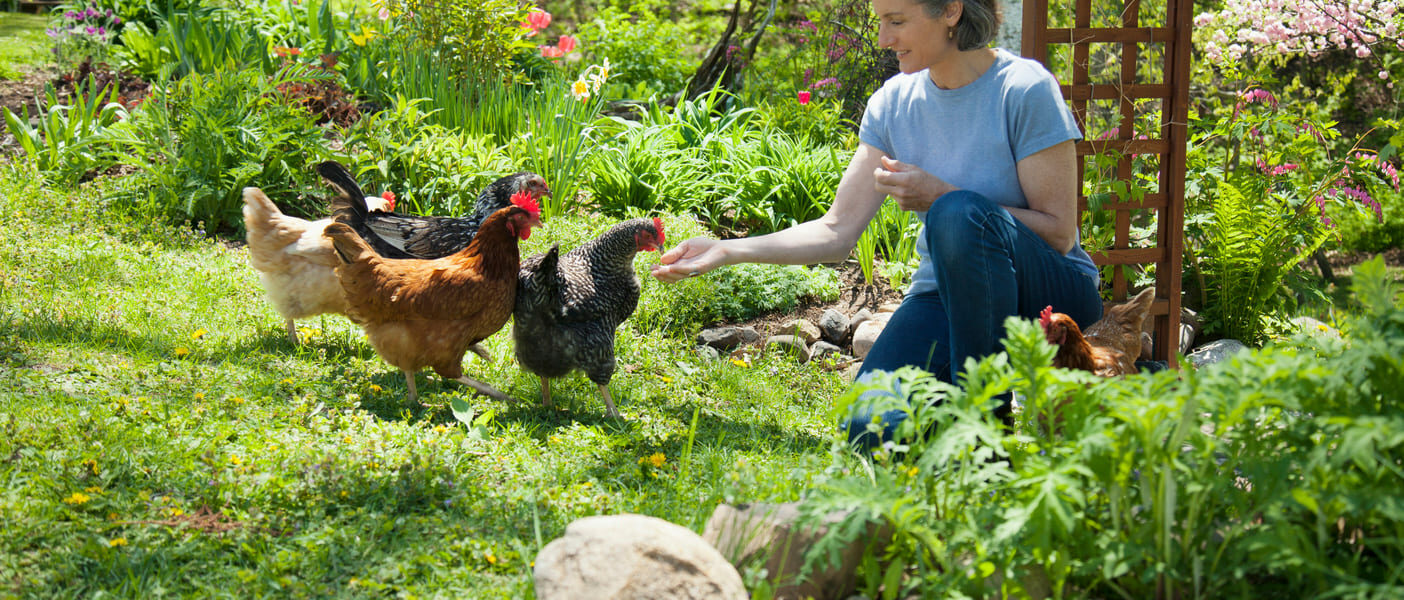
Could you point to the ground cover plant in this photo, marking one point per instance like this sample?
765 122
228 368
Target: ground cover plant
162 436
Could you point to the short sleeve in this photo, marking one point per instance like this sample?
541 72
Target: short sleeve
873 129
1042 118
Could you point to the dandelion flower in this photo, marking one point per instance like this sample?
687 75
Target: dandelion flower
115 542
181 352
93 490
76 498
375 388
654 460
235 460
740 363
492 560
199 333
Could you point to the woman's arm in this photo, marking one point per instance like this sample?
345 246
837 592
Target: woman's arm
827 239
1049 180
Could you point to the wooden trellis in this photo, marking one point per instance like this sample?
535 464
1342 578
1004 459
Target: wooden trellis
1122 46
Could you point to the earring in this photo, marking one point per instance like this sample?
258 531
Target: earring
950 33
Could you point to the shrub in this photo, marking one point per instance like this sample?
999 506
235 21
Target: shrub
745 290
644 50
1269 474
197 143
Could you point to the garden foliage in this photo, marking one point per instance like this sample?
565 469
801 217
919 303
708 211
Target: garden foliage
1272 473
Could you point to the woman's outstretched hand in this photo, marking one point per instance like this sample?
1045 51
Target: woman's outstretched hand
691 258
908 185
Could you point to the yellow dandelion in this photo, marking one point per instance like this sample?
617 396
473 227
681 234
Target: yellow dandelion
199 395
555 439
492 560
181 351
912 472
1321 327
77 498
199 333
346 439
654 460
344 493
112 516
235 460
93 490
375 388
740 363
440 428
237 400
286 381
115 542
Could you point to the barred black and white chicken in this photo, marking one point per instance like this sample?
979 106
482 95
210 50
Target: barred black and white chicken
568 306
396 235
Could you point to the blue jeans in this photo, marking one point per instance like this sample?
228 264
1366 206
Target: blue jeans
989 266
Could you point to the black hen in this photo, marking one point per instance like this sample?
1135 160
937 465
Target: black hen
569 305
396 235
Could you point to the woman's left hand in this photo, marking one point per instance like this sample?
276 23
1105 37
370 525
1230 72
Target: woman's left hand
911 187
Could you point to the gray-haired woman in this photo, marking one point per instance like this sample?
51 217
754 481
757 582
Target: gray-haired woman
977 141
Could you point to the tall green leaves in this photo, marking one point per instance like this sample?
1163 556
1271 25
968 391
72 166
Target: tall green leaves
63 142
1274 474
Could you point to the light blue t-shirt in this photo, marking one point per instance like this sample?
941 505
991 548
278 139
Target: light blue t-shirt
972 136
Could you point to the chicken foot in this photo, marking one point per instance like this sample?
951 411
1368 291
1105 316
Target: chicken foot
546 392
292 331
483 388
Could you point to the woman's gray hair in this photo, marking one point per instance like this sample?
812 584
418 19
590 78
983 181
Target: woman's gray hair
979 20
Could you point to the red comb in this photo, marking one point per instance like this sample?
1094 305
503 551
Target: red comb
524 201
658 224
1045 318
389 197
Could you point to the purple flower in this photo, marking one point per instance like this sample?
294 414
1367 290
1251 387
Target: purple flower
102 31
826 82
90 30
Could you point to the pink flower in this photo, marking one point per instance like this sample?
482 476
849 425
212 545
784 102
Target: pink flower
384 13
551 52
566 44
803 98
539 19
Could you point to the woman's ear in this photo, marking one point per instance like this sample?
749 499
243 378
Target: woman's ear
953 12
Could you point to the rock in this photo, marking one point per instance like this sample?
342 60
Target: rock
789 344
802 329
708 352
1189 328
769 535
821 349
858 318
628 557
1314 327
727 338
866 334
1215 351
835 327
889 307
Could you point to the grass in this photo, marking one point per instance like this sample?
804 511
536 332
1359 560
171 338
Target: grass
22 43
161 435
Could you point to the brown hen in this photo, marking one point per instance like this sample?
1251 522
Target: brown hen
428 313
1109 347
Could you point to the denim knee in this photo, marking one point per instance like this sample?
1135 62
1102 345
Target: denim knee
957 217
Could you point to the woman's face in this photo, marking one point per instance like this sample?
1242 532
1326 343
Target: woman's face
917 38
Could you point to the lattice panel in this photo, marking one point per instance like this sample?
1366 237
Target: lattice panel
1124 66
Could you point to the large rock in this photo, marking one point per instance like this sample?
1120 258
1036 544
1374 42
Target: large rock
633 557
1215 351
821 349
866 334
770 535
833 326
792 345
727 338
800 328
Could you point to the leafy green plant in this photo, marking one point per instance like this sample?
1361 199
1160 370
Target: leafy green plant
470 39
63 143
1169 485
745 290
200 141
1268 181
643 49
893 231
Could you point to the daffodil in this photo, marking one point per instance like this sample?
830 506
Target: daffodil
580 89
367 34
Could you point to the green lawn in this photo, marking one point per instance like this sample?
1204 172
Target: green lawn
22 43
161 433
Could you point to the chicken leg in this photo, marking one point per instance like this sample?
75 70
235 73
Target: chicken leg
292 332
613 412
409 382
546 392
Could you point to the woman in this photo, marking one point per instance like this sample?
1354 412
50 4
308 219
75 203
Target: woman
979 143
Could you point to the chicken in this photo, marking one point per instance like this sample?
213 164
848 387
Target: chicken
1110 346
293 260
568 306
395 235
428 313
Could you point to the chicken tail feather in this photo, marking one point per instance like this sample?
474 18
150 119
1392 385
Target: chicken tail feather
348 244
349 205
257 206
